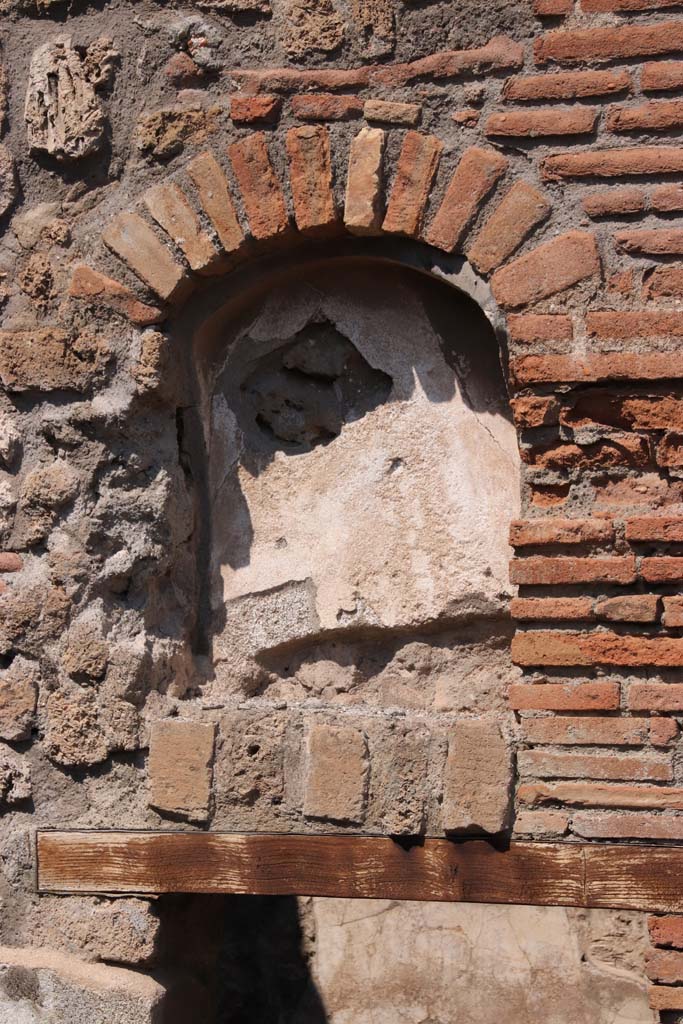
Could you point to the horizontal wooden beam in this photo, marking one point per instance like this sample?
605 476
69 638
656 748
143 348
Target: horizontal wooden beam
472 871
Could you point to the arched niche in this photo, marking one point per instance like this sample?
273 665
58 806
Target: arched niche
355 462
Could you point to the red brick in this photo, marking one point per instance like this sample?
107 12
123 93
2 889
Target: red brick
614 203
602 696
592 825
669 452
673 612
663 76
560 531
547 647
608 366
621 282
248 109
264 201
618 450
535 410
417 166
602 794
540 327
521 210
664 282
652 241
542 570
468 116
614 163
326 106
550 268
134 241
100 290
629 608
640 323
310 176
552 8
290 80
183 72
605 6
214 196
667 198
474 178
657 528
652 116
10 561
541 824
577 765
663 731
662 569
667 997
364 192
665 966
643 492
600 44
500 54
551 608
545 121
587 732
567 85
649 412
656 696
666 931
388 112
171 209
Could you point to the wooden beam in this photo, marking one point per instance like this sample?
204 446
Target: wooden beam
472 871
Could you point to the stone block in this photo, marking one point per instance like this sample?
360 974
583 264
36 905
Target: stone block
18 694
181 768
477 778
337 771
50 359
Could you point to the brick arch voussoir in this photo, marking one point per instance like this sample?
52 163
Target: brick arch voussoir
202 221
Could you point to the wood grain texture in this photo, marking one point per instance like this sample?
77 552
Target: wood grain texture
540 874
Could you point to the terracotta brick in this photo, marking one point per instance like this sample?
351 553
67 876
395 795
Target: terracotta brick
621 282
473 180
617 450
609 43
548 570
249 109
560 531
336 779
541 824
478 778
100 290
469 117
640 323
595 825
615 202
664 282
667 198
261 191
602 696
652 241
657 528
552 8
656 696
364 186
326 106
550 268
663 731
547 647
533 328
310 175
602 794
662 569
642 493
134 241
289 79
388 112
544 121
521 210
614 163
587 732
499 54
673 612
662 76
665 966
652 116
181 768
415 173
551 608
629 608
667 997
605 6
649 412
577 765
609 366
566 85
168 204
214 196
666 931
535 410
669 453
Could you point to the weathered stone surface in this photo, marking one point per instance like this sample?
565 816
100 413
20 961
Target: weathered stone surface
31 616
312 26
100 290
85 651
337 772
63 115
477 778
122 931
250 762
364 187
15 777
162 134
73 732
18 695
375 19
10 441
50 359
8 182
181 768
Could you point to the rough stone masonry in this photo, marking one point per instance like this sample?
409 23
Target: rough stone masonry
311 311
